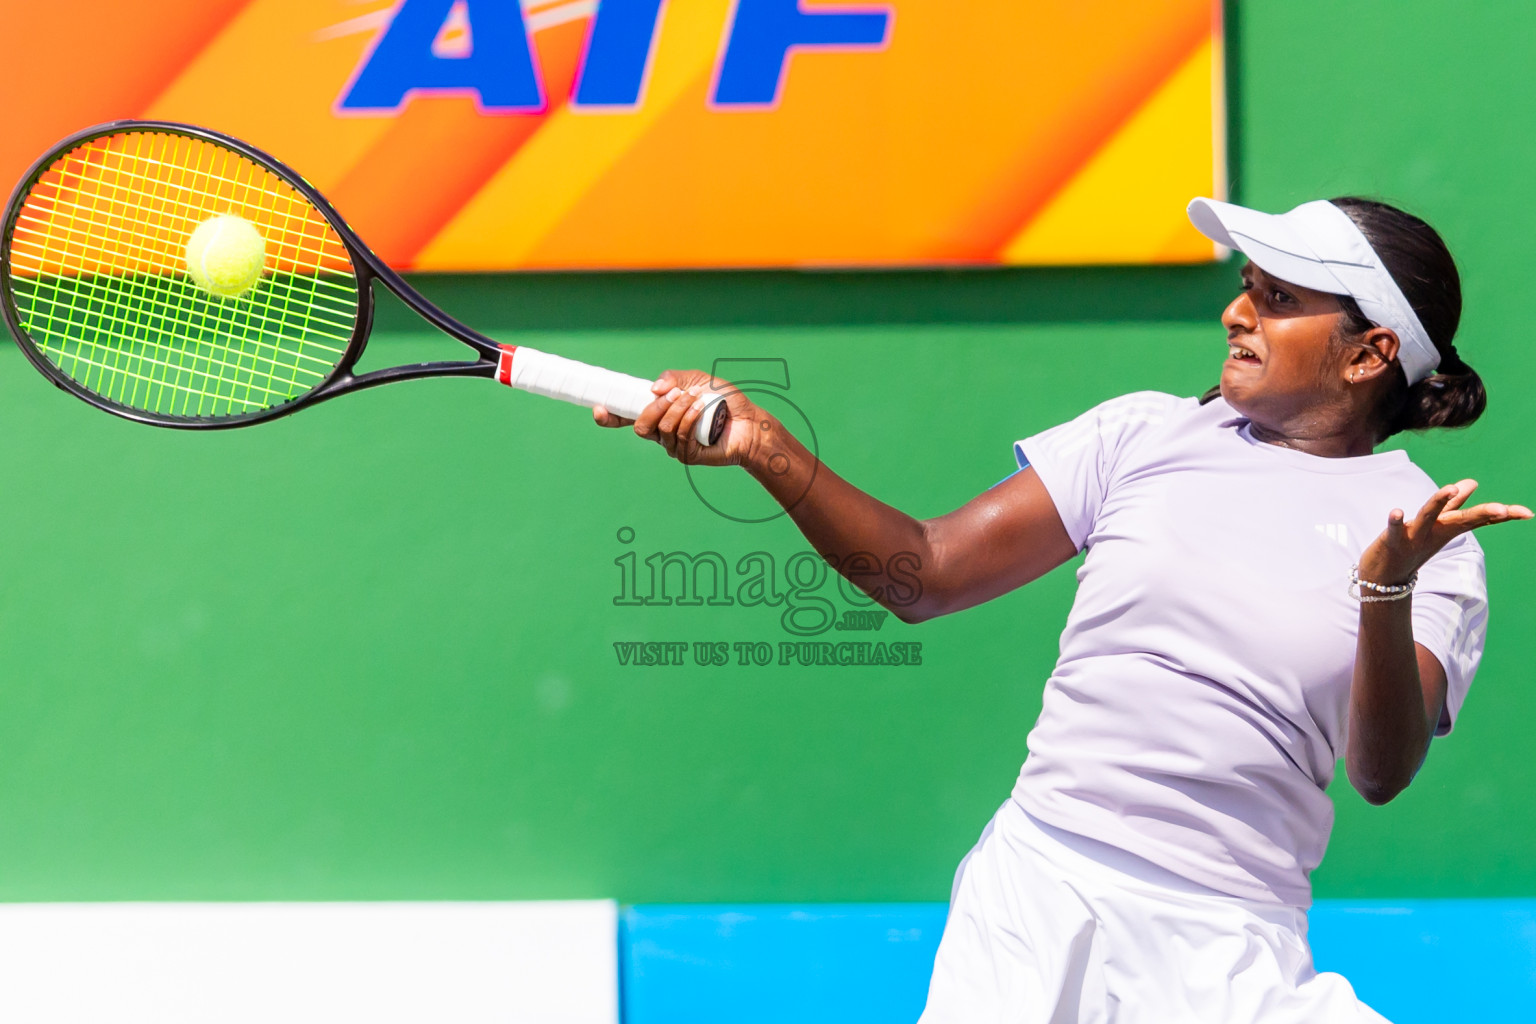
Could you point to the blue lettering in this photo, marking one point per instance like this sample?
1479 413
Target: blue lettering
752 70
498 68
619 50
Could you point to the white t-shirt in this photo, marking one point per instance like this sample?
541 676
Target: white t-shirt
1199 705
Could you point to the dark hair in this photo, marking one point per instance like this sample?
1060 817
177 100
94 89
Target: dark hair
1418 260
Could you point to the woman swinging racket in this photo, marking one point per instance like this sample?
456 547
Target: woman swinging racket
1262 594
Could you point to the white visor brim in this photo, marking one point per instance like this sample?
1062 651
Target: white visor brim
1269 240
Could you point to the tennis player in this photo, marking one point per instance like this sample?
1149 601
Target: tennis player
1263 593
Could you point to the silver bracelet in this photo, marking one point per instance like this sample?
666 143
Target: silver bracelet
1379 591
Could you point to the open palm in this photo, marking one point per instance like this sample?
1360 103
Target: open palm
1406 544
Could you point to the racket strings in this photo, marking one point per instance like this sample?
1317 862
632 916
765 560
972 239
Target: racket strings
137 292
153 239
164 370
98 277
100 248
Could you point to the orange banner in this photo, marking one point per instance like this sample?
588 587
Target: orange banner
595 134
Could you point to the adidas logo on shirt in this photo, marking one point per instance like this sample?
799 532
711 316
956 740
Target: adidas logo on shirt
1336 532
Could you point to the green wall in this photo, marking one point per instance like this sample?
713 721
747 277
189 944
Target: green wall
366 652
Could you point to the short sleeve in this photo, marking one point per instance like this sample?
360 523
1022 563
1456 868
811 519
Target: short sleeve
1450 618
1079 460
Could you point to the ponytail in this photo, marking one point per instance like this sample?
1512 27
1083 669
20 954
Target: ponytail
1452 396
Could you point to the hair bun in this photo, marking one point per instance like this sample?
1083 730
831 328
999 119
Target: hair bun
1453 396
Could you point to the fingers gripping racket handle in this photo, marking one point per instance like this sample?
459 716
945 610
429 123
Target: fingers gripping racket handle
540 373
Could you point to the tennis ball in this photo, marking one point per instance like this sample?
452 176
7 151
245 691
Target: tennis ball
225 255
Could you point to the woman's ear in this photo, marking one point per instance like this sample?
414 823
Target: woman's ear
1374 355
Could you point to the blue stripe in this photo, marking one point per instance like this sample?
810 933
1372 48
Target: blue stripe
1416 962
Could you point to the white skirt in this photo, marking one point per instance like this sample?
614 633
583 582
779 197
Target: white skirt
1046 927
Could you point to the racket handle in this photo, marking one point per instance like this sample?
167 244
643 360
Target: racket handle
540 373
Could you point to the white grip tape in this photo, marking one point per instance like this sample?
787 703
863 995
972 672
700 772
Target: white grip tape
540 373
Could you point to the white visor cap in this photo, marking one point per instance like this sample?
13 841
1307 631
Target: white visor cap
1317 246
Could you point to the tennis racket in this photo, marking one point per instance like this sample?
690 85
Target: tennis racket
95 286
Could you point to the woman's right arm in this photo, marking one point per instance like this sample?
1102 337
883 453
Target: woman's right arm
1001 539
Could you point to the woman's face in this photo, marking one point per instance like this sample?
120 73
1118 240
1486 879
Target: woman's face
1280 367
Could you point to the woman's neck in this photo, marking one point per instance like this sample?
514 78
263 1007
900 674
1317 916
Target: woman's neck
1310 438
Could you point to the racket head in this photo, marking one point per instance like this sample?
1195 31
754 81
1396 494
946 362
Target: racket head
94 283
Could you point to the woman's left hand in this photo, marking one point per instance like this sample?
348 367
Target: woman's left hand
1405 545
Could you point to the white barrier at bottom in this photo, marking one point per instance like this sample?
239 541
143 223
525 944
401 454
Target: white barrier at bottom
232 963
